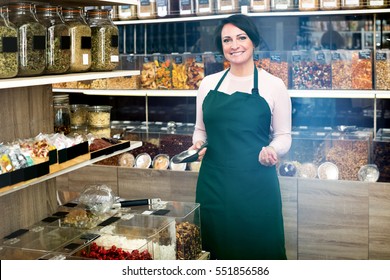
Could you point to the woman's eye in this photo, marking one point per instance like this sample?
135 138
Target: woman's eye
242 38
226 40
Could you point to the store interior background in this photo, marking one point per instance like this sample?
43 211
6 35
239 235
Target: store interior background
292 33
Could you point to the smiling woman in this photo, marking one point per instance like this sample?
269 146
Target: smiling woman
238 111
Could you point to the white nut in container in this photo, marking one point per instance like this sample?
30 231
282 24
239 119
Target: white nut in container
99 116
143 160
177 166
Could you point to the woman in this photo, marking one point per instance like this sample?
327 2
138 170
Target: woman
244 113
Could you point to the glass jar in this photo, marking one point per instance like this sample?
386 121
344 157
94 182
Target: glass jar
32 39
80 37
352 4
186 8
260 6
58 39
146 9
329 4
227 6
377 4
99 116
8 46
61 113
105 40
78 114
282 5
308 5
204 7
127 12
167 8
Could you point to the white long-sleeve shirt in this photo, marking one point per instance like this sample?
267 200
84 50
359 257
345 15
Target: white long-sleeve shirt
271 88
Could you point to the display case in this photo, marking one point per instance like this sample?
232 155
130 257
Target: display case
188 227
381 154
151 232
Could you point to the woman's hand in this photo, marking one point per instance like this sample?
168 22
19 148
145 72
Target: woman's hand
197 146
268 156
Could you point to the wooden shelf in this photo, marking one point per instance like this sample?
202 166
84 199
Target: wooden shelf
52 79
66 167
264 14
192 93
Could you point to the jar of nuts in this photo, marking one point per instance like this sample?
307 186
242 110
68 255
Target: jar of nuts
99 120
78 114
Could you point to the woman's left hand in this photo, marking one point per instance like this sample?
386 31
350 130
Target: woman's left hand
268 156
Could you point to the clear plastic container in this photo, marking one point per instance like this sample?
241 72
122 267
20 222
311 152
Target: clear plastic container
80 35
186 7
213 63
309 5
330 5
127 12
195 70
260 6
167 8
188 227
341 69
381 153
227 6
362 69
32 39
146 9
204 7
283 5
349 151
148 72
311 70
179 72
8 46
79 115
377 4
279 66
99 116
352 4
58 52
163 71
105 40
382 69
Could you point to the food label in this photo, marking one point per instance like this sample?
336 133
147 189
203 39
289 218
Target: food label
336 56
65 43
296 58
276 58
381 56
114 41
198 58
85 59
364 54
10 44
320 57
86 42
203 2
115 58
39 42
145 2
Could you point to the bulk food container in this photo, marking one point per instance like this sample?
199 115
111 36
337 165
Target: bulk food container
195 70
341 69
349 151
262 60
362 69
58 39
213 63
309 5
146 9
179 72
8 46
227 6
311 70
382 69
329 5
260 6
187 223
381 153
204 7
167 8
163 65
148 72
155 233
80 37
186 7
279 66
105 40
32 39
352 4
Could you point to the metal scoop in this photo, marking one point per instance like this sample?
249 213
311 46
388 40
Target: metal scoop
188 155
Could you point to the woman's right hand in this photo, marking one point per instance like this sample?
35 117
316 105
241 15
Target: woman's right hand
197 146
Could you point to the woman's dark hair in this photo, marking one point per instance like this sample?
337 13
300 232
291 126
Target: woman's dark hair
243 22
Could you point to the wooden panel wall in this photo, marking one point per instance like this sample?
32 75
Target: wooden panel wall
25 112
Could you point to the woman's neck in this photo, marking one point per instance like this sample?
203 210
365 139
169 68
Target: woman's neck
242 70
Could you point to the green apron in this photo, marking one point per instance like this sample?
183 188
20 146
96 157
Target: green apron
240 201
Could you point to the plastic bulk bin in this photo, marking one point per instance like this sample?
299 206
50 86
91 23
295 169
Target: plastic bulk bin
179 72
188 227
362 69
341 69
156 232
382 69
213 63
349 151
195 70
279 66
260 6
11 253
163 65
381 153
262 60
148 72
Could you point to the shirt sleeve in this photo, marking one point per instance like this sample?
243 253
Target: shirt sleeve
281 120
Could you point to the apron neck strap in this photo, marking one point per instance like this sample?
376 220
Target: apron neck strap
255 89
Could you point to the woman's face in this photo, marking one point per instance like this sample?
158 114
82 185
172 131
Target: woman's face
236 44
